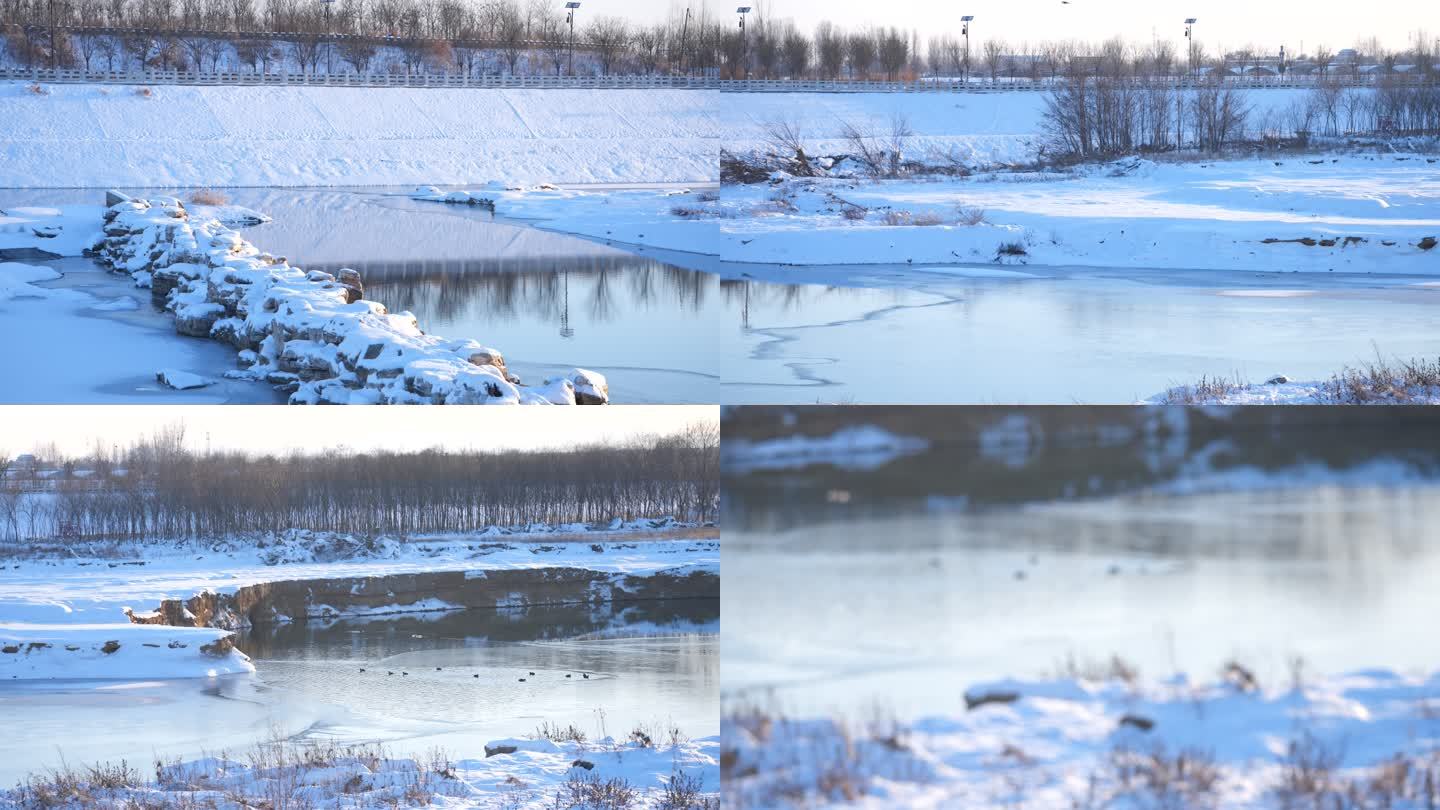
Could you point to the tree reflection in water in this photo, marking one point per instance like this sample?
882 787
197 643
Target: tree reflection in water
605 287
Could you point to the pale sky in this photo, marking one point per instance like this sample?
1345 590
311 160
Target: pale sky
1228 23
278 429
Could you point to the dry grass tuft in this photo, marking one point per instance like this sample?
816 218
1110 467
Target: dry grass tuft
1383 381
1207 390
208 196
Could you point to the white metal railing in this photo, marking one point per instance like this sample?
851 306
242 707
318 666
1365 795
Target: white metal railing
986 85
160 77
163 77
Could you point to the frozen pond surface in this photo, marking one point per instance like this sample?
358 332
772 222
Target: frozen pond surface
1025 335
902 601
103 344
309 685
548 301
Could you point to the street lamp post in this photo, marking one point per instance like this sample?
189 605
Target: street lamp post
744 51
684 30
965 30
1190 42
572 6
330 36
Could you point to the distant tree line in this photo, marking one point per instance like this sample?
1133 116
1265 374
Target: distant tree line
356 36
157 488
531 37
778 49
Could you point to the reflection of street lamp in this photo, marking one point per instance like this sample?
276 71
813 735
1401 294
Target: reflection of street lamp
967 19
744 51
1190 39
570 21
565 330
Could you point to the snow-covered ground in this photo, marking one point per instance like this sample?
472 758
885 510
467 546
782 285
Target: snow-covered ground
97 136
1072 742
116 652
514 773
1341 213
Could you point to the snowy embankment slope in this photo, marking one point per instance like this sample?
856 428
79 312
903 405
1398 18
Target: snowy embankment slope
116 652
86 136
1349 213
98 588
1076 743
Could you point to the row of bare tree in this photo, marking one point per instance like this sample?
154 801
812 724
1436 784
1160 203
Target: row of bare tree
160 489
1101 117
449 36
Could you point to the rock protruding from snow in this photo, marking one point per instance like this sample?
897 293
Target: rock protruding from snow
312 334
591 388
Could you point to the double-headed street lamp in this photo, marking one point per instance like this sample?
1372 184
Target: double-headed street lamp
570 21
744 51
965 29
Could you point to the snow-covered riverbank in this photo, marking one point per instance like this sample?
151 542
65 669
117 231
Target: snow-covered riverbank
95 583
86 136
668 219
116 652
1341 213
1112 742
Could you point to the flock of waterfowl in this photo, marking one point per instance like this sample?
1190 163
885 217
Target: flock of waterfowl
402 673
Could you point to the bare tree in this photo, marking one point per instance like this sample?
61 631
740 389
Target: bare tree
609 36
830 50
893 52
994 54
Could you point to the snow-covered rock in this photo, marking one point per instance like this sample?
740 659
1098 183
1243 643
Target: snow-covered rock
180 380
310 333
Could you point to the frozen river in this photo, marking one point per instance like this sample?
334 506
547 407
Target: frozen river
653 663
900 586
1051 336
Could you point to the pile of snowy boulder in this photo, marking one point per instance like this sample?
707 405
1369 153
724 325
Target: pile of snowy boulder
312 333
